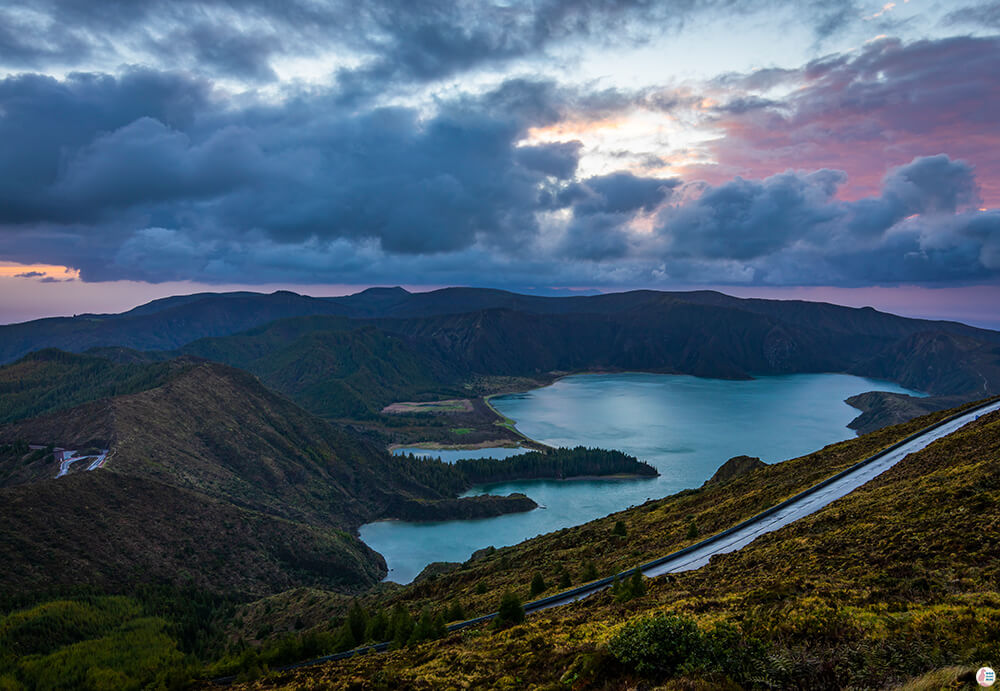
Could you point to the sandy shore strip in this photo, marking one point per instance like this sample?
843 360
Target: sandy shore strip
438 446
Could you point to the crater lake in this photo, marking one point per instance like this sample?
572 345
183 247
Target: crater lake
684 426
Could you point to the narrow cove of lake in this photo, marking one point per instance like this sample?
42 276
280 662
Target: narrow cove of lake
684 426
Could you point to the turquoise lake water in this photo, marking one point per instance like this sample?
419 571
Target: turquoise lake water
685 426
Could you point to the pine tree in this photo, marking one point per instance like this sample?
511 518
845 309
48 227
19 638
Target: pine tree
619 529
589 571
456 612
637 586
511 611
400 626
565 580
538 585
439 628
345 637
357 621
378 627
424 629
632 588
692 532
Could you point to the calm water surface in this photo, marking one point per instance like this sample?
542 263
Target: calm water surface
685 426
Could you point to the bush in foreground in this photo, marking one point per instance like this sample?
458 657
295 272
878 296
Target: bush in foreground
664 646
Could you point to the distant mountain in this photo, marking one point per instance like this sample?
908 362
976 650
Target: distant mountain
172 322
347 357
160 325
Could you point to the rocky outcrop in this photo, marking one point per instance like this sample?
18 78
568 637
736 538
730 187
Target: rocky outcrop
734 468
881 408
435 569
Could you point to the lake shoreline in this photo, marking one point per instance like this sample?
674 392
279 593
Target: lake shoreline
532 444
685 428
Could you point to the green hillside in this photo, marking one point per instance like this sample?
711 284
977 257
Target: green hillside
50 380
206 455
332 366
211 444
112 532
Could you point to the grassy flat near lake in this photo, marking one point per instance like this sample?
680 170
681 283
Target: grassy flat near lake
449 406
892 582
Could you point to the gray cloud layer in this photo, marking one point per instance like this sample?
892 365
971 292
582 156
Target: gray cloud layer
149 177
391 41
156 175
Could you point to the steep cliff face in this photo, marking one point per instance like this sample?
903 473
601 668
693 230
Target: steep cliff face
939 363
780 350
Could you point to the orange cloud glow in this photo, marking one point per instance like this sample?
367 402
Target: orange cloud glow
37 271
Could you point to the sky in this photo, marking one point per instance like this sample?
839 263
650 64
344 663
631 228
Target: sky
839 150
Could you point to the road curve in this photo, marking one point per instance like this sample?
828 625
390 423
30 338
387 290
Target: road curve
807 502
697 555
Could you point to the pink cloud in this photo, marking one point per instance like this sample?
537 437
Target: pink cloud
863 114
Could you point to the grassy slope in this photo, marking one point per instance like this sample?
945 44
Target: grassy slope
90 529
217 430
891 581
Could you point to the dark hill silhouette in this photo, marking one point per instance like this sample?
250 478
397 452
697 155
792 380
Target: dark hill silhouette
349 356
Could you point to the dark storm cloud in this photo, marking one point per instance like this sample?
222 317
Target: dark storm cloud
621 193
150 176
602 206
931 184
745 219
157 176
558 159
45 120
152 166
792 229
395 40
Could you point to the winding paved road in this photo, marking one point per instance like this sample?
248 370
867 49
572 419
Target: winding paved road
806 502
788 511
